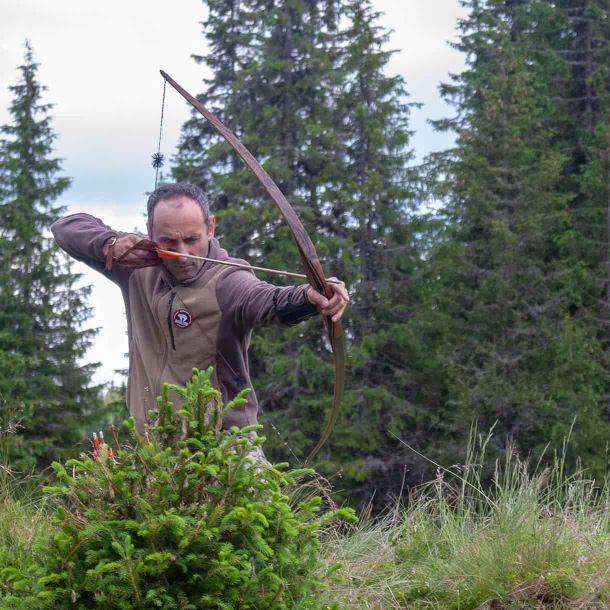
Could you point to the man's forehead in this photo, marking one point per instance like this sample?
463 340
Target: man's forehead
180 204
171 233
174 234
178 215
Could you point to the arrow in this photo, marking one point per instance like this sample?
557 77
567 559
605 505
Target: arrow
169 254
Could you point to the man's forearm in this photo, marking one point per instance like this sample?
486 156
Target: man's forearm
83 237
290 312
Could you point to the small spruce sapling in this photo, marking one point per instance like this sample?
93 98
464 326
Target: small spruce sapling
184 517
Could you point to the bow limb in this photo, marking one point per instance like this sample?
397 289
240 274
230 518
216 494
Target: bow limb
307 252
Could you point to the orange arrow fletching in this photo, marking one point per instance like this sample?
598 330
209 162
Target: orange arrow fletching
168 254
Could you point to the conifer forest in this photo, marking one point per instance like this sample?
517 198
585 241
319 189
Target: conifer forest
477 332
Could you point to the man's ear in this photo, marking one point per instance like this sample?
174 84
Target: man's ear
211 226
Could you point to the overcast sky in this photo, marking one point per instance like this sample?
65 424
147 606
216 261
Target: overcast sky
100 63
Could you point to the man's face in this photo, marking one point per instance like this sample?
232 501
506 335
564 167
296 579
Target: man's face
178 226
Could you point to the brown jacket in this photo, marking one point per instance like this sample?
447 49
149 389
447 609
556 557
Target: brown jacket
175 326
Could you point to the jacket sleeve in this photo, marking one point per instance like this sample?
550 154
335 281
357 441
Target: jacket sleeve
251 302
83 237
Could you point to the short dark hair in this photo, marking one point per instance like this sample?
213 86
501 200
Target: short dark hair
178 189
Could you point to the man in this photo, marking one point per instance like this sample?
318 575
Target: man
183 313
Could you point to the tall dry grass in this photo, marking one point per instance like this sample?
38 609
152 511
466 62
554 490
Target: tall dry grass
536 538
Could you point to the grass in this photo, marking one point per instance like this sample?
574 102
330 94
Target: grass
539 541
24 515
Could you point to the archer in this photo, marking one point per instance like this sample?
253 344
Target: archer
184 313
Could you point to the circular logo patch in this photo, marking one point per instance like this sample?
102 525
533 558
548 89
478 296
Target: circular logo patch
183 318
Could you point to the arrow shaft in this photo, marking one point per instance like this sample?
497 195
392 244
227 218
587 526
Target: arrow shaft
241 266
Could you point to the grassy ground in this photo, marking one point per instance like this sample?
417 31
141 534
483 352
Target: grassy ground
24 515
537 541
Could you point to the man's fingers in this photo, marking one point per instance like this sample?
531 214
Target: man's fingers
333 307
339 289
327 305
316 298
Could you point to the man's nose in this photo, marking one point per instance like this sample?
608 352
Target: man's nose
180 248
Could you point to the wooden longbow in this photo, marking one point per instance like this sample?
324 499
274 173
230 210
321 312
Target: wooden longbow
307 252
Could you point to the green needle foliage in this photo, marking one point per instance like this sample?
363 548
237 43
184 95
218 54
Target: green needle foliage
189 516
46 393
520 274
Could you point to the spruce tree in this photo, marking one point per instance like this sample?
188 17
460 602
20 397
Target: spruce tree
521 351
44 387
585 98
374 204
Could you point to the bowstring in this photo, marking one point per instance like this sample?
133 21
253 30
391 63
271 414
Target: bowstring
158 162
159 157
284 441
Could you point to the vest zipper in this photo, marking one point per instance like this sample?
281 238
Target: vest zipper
169 320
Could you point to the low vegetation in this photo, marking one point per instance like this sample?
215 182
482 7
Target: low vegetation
189 516
526 540
537 541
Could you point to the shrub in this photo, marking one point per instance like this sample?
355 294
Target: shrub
188 516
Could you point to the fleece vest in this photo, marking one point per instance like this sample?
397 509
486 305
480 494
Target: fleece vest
175 330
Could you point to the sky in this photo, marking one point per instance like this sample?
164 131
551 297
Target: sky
100 63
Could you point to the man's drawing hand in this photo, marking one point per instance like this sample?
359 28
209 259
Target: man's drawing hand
124 253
